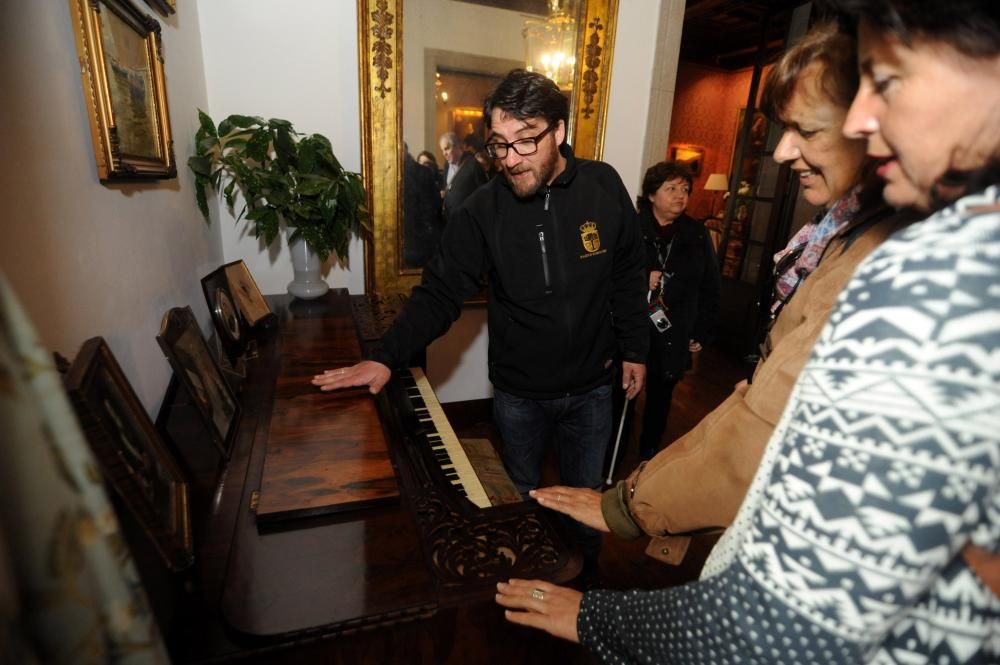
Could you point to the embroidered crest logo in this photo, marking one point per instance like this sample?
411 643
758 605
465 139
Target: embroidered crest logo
590 237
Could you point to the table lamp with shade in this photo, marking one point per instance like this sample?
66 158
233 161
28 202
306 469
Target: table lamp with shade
717 182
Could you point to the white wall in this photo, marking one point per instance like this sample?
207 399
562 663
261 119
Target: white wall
87 259
631 81
297 60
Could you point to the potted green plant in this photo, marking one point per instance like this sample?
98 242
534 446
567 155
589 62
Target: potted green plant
285 178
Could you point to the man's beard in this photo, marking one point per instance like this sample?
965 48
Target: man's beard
544 172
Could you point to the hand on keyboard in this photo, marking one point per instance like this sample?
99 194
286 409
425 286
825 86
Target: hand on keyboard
365 373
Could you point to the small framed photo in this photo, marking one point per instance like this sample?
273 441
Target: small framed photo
244 290
692 156
121 64
132 455
198 371
230 328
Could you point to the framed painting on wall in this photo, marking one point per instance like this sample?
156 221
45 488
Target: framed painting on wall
121 65
692 156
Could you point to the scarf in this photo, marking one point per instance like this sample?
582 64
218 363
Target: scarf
803 252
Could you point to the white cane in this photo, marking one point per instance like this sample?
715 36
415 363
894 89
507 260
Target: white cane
618 441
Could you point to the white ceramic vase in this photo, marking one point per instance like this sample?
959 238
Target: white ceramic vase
306 265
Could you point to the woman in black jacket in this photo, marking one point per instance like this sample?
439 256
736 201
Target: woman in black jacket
684 282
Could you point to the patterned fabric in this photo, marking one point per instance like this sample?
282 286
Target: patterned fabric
884 465
810 242
79 598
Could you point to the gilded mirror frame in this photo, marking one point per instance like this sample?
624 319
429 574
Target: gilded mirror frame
380 44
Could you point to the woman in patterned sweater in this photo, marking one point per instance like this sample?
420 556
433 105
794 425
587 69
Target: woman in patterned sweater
873 524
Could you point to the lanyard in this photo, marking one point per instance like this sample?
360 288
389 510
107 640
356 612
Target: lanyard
664 275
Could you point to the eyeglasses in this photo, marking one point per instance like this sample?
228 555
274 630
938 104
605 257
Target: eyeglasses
523 147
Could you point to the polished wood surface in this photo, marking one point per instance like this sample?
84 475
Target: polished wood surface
326 452
261 588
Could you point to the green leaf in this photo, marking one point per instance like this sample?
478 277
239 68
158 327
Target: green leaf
236 144
312 185
206 124
268 226
278 122
200 183
307 156
200 165
206 144
230 194
239 122
257 146
284 146
278 197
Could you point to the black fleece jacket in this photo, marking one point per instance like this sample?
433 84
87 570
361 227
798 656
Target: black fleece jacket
692 293
564 270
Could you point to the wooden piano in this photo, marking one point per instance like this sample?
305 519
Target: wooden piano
297 563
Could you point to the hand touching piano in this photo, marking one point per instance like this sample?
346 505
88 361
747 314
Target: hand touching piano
365 373
581 503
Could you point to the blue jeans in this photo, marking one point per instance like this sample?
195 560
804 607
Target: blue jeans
580 426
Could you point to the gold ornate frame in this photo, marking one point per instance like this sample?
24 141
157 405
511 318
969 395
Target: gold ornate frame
381 80
114 162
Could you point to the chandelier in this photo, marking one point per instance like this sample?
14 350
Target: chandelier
550 44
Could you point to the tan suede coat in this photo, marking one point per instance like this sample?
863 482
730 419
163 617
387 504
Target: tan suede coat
698 482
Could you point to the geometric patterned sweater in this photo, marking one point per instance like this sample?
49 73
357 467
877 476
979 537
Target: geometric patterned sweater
884 465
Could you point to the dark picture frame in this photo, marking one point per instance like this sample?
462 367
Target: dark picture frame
133 457
230 327
121 65
196 368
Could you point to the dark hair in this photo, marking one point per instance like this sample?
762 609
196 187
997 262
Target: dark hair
472 142
825 45
972 27
427 153
659 173
523 94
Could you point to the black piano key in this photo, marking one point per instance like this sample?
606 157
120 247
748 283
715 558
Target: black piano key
429 435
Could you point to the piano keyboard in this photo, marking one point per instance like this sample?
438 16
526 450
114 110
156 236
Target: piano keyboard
445 446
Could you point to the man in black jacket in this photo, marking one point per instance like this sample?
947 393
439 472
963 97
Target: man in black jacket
558 239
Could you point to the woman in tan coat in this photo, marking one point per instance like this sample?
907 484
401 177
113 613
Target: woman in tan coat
697 484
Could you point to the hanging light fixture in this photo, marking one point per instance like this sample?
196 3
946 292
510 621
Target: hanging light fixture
550 44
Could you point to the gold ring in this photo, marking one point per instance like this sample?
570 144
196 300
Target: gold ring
538 594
